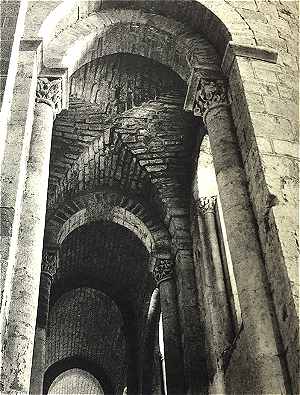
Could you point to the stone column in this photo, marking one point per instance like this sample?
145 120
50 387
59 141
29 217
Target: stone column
215 289
20 328
151 334
163 274
207 97
49 266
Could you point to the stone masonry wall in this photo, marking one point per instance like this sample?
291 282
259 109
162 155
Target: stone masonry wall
267 129
9 11
97 323
110 258
264 102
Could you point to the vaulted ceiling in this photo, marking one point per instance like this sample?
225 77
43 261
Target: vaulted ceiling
100 90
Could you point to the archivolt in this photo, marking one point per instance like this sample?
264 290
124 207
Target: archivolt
161 39
216 20
110 206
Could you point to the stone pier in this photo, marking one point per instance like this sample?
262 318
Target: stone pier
20 329
208 98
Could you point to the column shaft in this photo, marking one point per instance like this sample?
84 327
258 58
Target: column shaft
39 352
150 338
163 274
18 350
216 301
224 328
38 362
245 250
171 336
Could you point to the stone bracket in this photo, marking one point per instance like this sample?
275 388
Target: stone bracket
246 51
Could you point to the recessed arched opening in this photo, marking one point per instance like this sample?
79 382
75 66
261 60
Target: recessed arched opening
125 134
126 130
101 258
93 372
75 381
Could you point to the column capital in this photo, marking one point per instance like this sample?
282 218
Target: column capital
207 89
163 270
49 91
53 88
207 204
49 262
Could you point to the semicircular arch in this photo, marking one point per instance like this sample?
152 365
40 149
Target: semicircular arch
65 364
162 39
217 20
113 206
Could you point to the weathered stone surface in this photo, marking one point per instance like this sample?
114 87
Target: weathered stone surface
100 337
148 158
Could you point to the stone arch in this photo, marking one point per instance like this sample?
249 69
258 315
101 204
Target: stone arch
136 132
77 301
199 16
63 365
112 206
89 127
161 39
215 19
268 218
79 379
113 261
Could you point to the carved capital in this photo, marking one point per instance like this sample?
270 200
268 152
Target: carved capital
49 262
209 93
163 270
207 89
49 91
207 204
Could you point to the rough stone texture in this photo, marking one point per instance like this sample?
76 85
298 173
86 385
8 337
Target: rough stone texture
99 252
264 103
16 133
76 381
158 135
112 259
17 347
9 11
112 85
168 41
98 325
111 206
273 153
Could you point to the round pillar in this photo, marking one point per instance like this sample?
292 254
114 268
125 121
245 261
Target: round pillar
207 208
163 274
21 320
215 289
265 370
49 265
151 336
